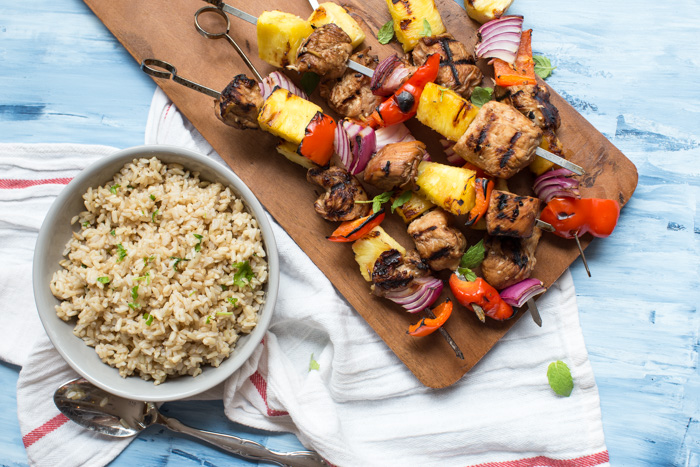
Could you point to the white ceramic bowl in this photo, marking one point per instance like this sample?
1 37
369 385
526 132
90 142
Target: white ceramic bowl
57 230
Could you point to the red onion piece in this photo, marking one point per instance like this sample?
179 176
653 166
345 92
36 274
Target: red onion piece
500 38
562 182
555 173
556 183
341 144
518 294
363 143
389 76
419 295
277 79
452 157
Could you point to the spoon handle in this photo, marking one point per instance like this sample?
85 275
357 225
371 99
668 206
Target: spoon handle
247 448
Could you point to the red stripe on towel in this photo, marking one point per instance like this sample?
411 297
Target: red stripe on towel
261 385
10 183
38 433
585 461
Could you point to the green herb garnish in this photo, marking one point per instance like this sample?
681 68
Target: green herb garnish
153 197
543 66
224 288
146 277
243 273
113 233
560 379
177 261
147 259
386 32
427 31
442 92
103 280
232 300
208 320
309 82
134 306
130 187
153 216
481 96
149 318
113 189
121 253
83 266
198 246
313 364
86 224
401 200
378 200
135 292
224 313
471 259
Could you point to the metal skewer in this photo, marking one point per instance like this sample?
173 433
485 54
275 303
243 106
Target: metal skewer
534 312
583 257
253 20
446 335
147 67
560 161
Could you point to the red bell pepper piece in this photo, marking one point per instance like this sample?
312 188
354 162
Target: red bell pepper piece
484 187
481 294
349 231
522 71
319 136
573 217
428 326
404 103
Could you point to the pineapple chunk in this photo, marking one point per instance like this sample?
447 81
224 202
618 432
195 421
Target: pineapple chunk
333 13
279 37
445 111
484 11
414 207
451 188
550 143
409 17
285 115
289 150
368 248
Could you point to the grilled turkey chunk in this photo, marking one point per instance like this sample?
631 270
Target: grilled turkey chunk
338 203
351 95
533 102
325 52
509 260
511 215
457 66
392 271
240 103
500 140
440 245
395 165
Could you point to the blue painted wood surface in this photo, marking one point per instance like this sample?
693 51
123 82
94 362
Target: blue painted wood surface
630 67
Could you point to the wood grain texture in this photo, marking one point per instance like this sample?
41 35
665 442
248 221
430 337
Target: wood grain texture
285 193
65 78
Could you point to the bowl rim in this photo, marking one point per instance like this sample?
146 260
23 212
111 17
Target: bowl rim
91 176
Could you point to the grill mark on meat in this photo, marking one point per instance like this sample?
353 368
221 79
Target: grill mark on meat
418 235
445 44
441 253
547 109
509 153
387 168
482 136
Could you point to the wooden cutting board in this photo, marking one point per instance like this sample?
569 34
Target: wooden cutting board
164 29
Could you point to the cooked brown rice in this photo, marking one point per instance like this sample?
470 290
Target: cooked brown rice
156 273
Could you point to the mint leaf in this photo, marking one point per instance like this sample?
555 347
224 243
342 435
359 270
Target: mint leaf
243 273
543 67
313 364
473 256
427 31
103 280
401 200
481 96
309 82
467 274
386 32
560 379
121 253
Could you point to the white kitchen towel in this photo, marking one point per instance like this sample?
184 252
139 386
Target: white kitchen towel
361 406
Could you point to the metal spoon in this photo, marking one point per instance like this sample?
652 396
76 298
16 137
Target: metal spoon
97 410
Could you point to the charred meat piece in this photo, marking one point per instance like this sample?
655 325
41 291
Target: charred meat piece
325 52
342 190
395 165
240 103
350 95
533 102
500 140
509 260
511 215
457 66
395 272
440 245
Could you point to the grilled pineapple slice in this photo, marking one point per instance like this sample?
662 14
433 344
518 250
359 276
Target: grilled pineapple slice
289 150
550 143
368 248
445 111
409 17
279 37
414 207
451 188
484 11
285 115
333 13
